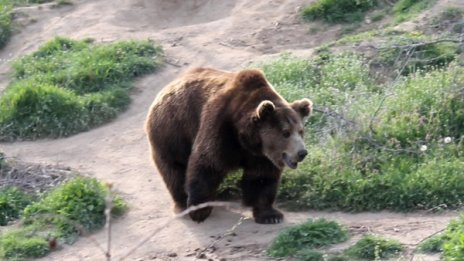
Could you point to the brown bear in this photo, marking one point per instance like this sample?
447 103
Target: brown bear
209 122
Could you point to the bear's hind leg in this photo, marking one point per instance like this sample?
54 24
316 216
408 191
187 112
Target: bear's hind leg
174 176
259 190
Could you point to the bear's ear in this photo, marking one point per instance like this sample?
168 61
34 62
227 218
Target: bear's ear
265 109
250 79
304 107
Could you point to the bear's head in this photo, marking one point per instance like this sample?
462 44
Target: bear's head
272 128
281 130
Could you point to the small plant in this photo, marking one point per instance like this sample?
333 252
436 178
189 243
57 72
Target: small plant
22 244
79 203
12 203
338 11
301 239
70 86
373 248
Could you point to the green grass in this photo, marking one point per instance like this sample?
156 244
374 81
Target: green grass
338 11
12 203
5 21
302 240
73 208
78 204
69 86
374 248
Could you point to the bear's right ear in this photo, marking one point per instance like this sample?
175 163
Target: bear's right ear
265 109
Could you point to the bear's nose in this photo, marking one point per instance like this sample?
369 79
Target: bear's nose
302 154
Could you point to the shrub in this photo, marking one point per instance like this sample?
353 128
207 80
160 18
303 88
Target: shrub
301 239
70 86
338 11
77 204
22 244
373 247
5 21
374 147
12 203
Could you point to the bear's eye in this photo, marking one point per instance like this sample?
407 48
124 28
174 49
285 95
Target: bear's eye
301 132
286 134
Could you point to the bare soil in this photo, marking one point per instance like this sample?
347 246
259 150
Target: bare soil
214 33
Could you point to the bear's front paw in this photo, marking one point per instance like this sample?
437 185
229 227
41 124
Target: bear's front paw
201 214
267 216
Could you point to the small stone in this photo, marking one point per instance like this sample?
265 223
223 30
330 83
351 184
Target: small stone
172 254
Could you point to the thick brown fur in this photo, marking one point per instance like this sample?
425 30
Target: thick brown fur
207 123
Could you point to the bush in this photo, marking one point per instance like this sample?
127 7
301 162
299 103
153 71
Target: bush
338 11
76 205
70 86
12 203
374 147
301 239
22 244
5 21
373 247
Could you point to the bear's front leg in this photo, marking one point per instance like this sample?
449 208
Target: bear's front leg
202 184
259 187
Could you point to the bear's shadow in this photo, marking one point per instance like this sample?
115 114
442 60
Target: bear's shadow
229 229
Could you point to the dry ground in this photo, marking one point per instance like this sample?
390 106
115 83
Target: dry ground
221 34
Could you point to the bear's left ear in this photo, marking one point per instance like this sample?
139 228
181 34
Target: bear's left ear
304 107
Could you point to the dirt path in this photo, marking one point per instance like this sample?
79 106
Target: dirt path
222 34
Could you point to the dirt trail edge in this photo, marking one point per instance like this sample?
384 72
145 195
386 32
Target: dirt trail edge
215 33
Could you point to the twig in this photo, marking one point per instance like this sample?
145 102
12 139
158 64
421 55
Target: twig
166 224
109 207
424 239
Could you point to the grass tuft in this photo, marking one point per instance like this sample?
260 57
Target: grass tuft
77 204
70 86
338 11
374 248
22 244
300 240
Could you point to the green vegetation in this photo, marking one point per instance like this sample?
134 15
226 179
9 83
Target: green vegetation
337 11
349 11
450 242
22 244
370 149
12 202
374 248
5 21
73 208
405 9
70 86
302 240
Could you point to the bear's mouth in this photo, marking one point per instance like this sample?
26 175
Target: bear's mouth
290 163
